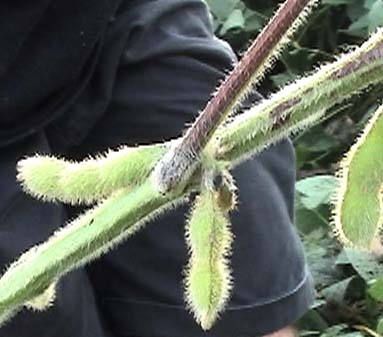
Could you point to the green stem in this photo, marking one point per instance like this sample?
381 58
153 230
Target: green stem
294 108
85 239
301 104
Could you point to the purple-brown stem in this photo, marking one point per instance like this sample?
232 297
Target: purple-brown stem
183 156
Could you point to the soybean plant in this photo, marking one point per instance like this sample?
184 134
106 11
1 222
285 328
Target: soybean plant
130 186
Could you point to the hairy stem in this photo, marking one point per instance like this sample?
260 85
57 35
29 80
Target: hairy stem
83 240
296 107
181 160
301 104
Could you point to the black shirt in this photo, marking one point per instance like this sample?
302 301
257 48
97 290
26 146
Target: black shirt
158 65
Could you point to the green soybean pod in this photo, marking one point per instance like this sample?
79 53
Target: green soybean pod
208 280
358 211
93 179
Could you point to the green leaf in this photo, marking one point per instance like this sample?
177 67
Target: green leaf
336 293
282 79
342 258
308 220
335 2
369 3
317 190
221 9
254 21
320 257
356 9
234 21
358 215
375 16
365 264
358 14
338 330
379 326
313 145
334 331
312 320
376 291
361 23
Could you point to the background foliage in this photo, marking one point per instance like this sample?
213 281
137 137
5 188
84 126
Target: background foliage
349 283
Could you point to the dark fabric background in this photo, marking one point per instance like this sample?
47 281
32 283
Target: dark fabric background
169 68
49 51
168 64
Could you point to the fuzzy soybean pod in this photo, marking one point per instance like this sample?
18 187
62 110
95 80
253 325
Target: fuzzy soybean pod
358 212
52 179
44 300
208 280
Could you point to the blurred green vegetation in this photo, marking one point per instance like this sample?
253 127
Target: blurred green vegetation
349 283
